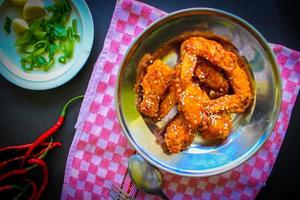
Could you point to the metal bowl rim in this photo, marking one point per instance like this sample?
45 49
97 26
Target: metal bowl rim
277 105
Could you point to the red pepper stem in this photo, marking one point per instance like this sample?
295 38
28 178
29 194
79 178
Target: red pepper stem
33 188
42 156
21 193
64 110
9 187
47 149
50 131
42 164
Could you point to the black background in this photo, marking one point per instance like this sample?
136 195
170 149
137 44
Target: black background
25 114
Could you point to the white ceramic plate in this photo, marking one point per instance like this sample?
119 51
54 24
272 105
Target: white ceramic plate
59 74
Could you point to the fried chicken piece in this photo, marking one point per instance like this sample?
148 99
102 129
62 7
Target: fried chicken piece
186 67
141 70
218 128
192 102
178 135
211 51
190 96
240 100
154 84
214 126
228 61
211 77
159 91
168 102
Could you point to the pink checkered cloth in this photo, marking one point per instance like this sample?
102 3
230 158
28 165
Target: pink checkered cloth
99 152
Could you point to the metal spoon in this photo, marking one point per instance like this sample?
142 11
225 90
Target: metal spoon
145 176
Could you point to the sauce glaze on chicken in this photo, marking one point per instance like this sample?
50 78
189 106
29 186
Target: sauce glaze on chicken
208 83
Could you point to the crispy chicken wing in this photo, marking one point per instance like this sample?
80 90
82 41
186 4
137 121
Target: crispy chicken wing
154 85
192 102
168 102
211 77
208 69
241 98
218 128
178 135
186 67
189 95
211 51
141 70
228 61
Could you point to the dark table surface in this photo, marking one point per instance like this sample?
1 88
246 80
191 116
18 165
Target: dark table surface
25 114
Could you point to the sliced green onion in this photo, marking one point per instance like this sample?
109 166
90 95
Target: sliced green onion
24 39
62 59
26 57
76 37
40 48
50 8
26 67
67 5
70 33
35 26
49 65
41 60
60 31
28 48
69 49
49 38
74 25
52 49
40 34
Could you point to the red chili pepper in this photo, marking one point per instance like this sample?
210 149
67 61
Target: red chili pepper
16 147
9 187
7 162
13 173
33 187
6 187
24 171
20 147
50 131
43 137
42 164
30 182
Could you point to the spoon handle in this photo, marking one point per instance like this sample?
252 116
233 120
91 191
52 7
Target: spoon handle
162 195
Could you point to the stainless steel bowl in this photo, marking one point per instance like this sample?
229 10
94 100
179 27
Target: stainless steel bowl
251 129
